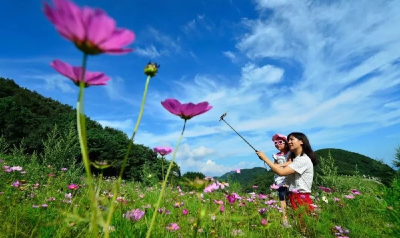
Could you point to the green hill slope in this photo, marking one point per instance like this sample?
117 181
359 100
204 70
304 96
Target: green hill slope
28 116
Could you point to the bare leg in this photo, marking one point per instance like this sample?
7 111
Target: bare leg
283 206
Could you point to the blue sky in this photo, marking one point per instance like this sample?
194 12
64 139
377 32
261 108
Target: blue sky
327 69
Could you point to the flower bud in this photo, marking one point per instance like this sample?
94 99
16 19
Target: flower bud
151 69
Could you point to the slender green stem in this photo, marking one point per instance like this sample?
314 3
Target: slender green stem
83 142
165 183
162 167
117 184
196 229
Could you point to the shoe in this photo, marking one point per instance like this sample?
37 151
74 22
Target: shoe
286 224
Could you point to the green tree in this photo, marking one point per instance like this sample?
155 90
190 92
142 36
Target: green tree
193 175
396 161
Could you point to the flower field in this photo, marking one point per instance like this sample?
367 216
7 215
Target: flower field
39 201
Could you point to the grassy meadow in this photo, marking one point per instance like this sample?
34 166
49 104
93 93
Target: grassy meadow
41 201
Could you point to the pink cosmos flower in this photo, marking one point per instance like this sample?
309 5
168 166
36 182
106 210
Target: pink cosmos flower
327 190
262 196
274 186
185 212
162 150
355 192
237 171
73 186
134 215
210 188
75 74
349 196
172 227
231 199
187 110
264 222
91 30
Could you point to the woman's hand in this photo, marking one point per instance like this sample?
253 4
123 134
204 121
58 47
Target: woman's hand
261 155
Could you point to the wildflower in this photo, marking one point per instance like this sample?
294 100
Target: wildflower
220 202
223 185
349 196
327 190
262 196
23 172
187 110
35 206
44 205
185 212
255 186
231 199
172 227
91 30
73 186
237 171
64 169
262 211
355 192
222 209
211 188
16 168
274 186
75 74
162 150
335 199
151 69
134 215
264 222
16 184
324 199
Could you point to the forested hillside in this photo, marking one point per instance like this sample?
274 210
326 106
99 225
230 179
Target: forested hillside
27 117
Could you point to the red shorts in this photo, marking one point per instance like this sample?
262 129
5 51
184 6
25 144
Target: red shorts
301 199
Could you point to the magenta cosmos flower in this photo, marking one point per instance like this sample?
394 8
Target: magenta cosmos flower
91 30
162 150
187 110
75 74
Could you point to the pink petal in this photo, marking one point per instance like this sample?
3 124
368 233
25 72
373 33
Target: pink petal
67 19
118 39
65 69
100 27
188 109
172 105
201 108
96 78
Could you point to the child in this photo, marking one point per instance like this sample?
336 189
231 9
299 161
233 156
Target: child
283 160
299 173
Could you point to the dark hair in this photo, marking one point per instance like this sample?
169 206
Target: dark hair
287 149
306 147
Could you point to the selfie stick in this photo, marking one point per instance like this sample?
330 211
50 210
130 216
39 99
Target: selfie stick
222 118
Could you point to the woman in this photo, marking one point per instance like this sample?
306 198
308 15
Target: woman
300 173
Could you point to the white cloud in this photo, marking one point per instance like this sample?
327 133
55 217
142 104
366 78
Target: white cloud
55 82
212 168
267 74
201 152
150 52
197 24
229 54
340 79
115 89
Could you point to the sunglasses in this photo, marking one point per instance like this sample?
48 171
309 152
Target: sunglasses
279 142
